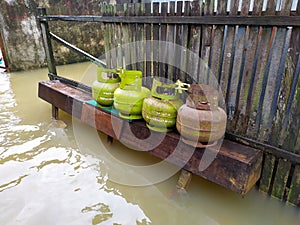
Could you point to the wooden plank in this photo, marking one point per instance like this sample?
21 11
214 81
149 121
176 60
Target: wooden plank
90 115
119 34
293 129
132 37
267 173
245 7
285 7
268 20
271 8
281 177
126 40
281 92
239 83
171 32
294 192
140 48
113 38
107 46
148 40
63 96
251 75
235 166
162 53
206 44
226 78
178 42
257 7
184 44
265 62
155 46
234 7
221 8
194 46
240 97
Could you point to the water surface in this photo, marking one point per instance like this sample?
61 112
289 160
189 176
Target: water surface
48 176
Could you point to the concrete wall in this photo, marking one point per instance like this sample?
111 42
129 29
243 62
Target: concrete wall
21 35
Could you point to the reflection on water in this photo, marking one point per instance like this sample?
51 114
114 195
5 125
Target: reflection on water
46 178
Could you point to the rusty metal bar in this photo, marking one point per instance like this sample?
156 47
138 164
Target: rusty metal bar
47 42
77 50
49 52
278 152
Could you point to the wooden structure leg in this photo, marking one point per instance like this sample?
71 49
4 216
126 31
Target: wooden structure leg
54 112
184 180
109 140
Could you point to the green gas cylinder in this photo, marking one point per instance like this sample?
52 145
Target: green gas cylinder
160 109
129 97
104 87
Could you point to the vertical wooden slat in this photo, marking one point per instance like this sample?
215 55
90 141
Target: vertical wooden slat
104 12
171 29
265 72
140 48
281 178
250 73
178 42
209 7
257 7
280 95
294 192
285 7
194 48
221 8
162 42
120 43
223 40
240 98
231 82
155 46
245 7
293 110
148 38
113 39
271 8
267 173
184 30
126 40
246 66
132 36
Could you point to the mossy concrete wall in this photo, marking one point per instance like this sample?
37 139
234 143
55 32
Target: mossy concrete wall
20 32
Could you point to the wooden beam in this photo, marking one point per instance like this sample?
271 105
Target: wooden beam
234 166
207 20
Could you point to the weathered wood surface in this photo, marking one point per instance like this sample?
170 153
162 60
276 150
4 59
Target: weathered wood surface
235 166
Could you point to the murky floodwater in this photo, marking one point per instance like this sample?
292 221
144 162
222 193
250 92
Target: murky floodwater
49 177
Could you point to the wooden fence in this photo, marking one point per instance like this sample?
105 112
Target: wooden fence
250 48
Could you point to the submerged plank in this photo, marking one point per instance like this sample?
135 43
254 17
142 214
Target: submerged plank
234 166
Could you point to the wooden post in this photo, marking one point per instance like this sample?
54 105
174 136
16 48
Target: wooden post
49 53
184 179
109 140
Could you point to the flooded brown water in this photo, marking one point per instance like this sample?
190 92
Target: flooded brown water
49 177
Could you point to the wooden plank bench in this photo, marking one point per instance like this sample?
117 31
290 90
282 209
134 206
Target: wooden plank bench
235 166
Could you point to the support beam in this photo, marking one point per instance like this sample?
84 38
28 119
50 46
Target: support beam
184 180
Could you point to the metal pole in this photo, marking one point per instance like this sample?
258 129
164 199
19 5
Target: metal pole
49 53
